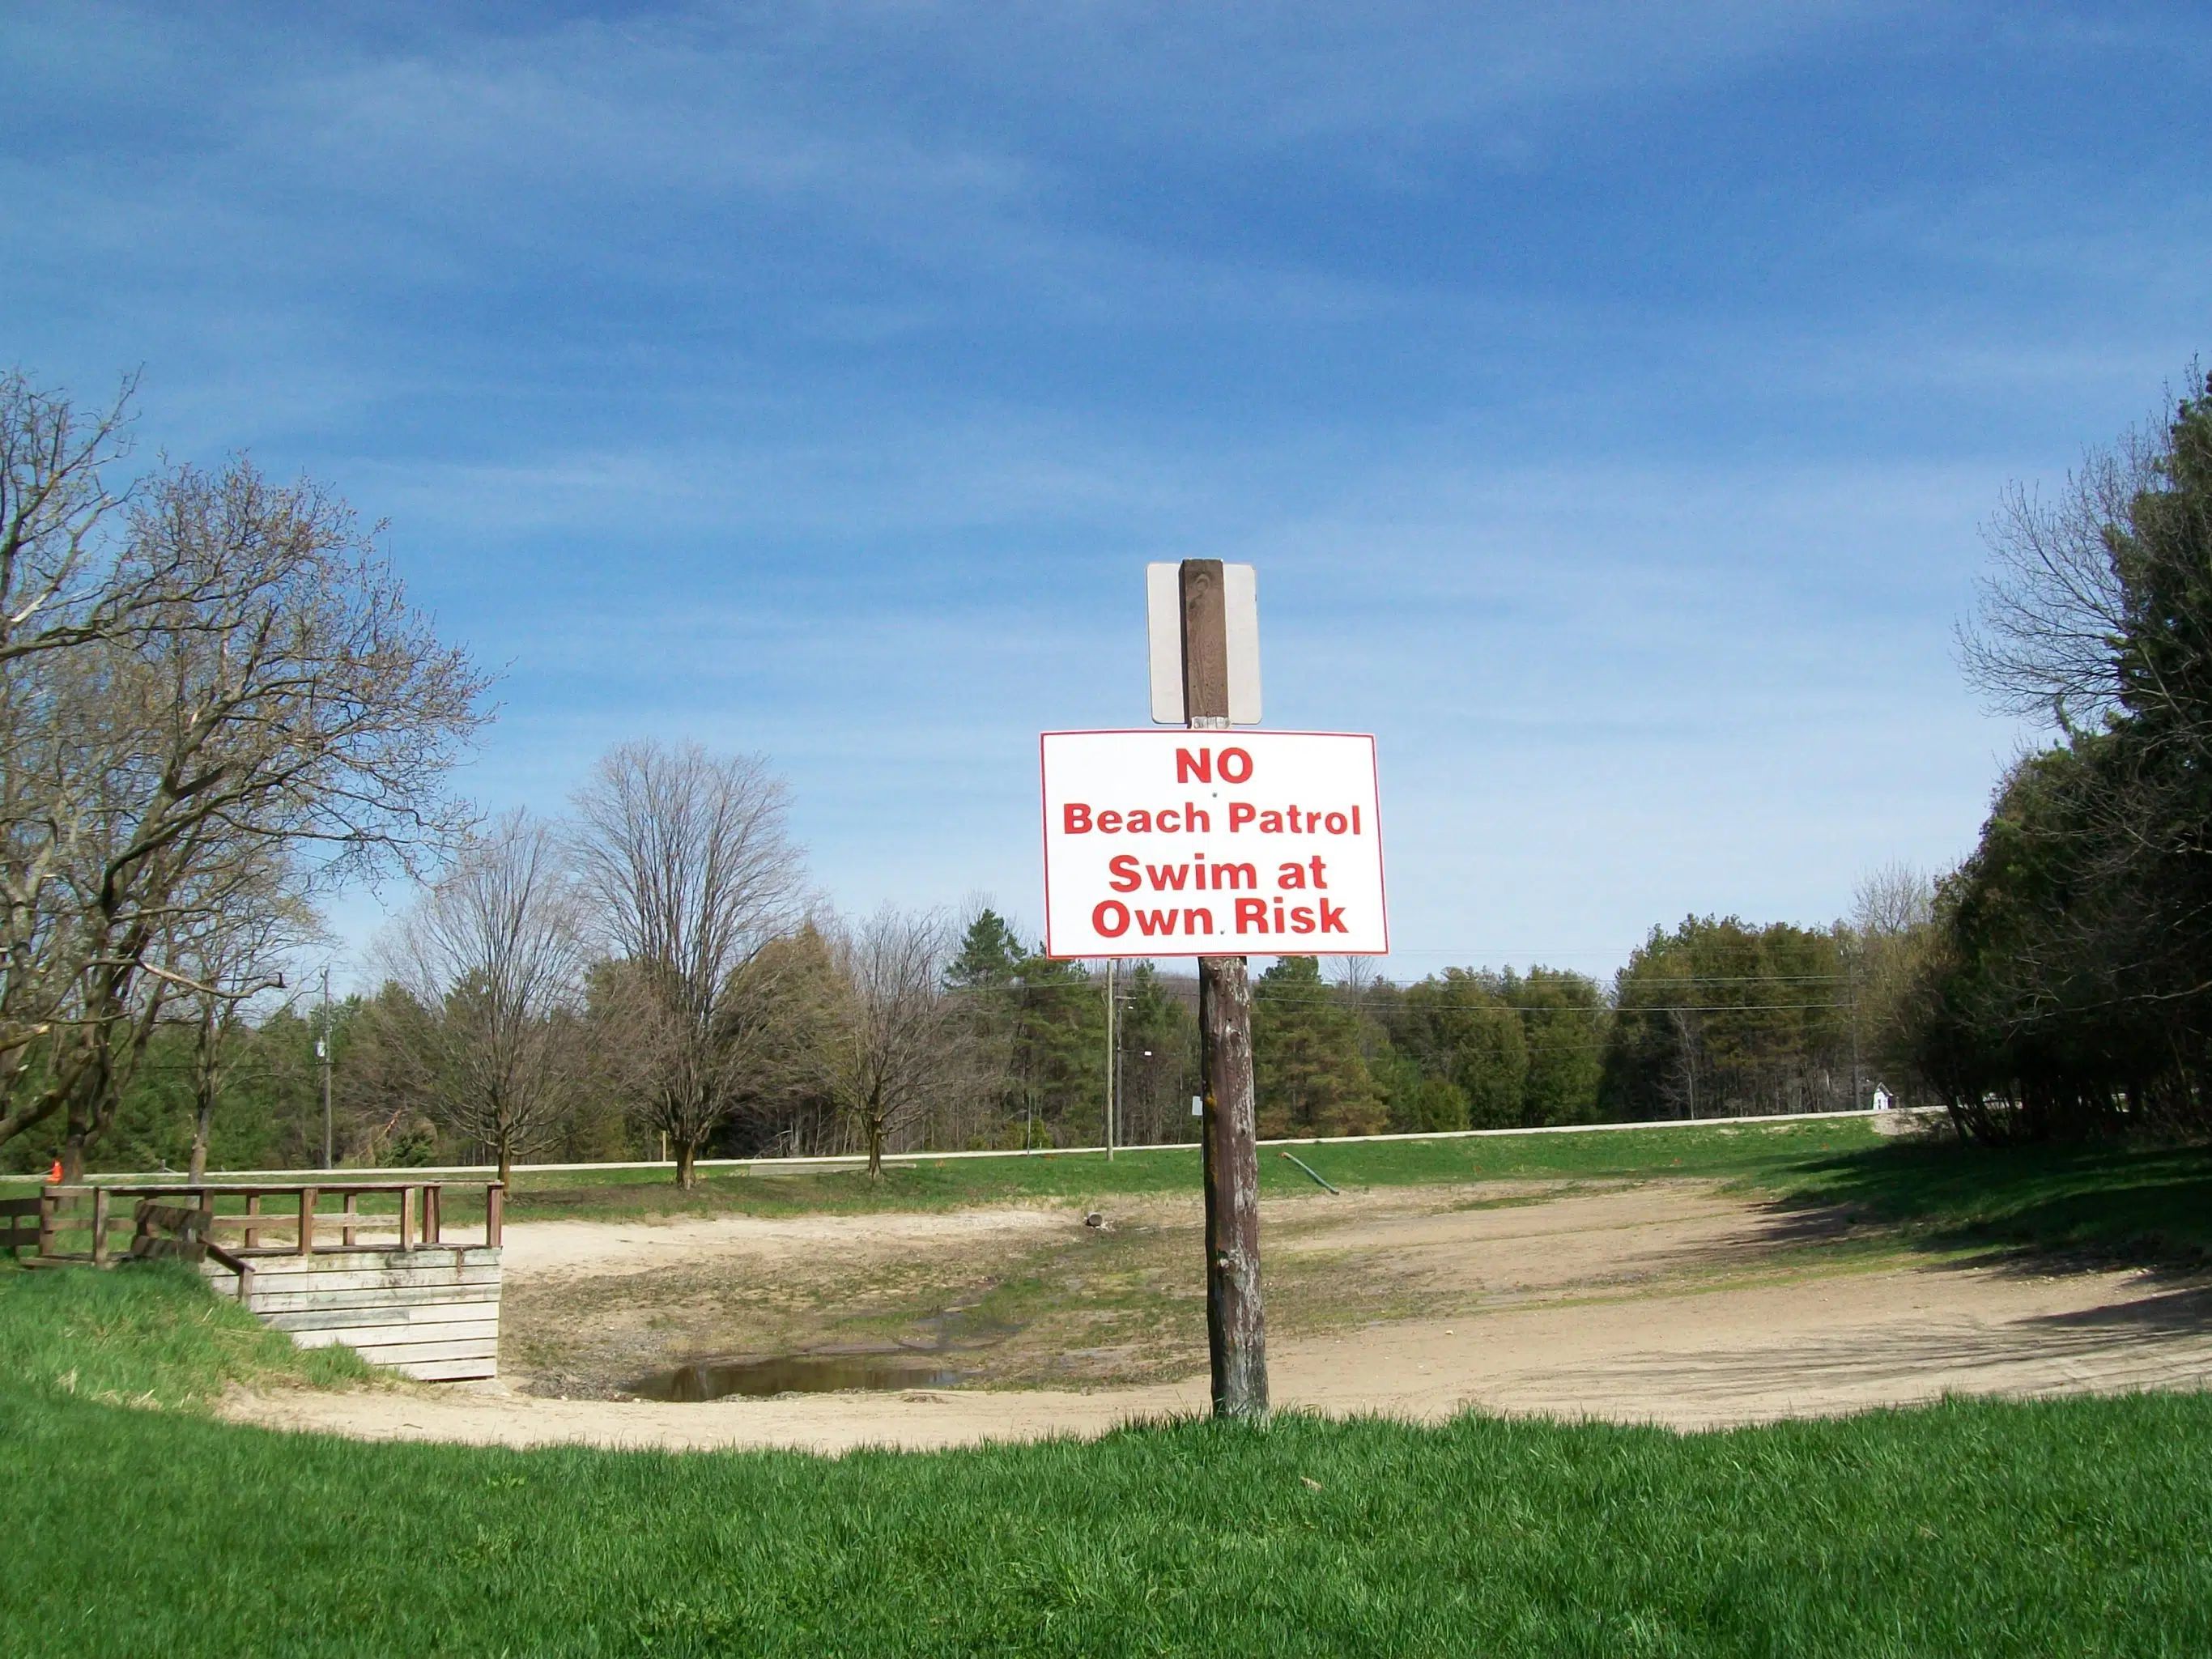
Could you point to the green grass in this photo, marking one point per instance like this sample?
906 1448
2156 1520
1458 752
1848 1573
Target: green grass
2079 1527
2134 1202
921 1183
2139 1203
145 1334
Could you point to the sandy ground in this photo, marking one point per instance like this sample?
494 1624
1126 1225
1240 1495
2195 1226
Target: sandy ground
600 1250
1667 1303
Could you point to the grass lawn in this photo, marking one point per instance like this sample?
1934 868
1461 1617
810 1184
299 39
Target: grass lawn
2143 1203
2146 1204
1759 1152
2079 1528
2140 1203
922 1183
137 1524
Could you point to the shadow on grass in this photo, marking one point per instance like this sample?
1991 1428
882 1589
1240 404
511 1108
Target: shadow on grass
2144 1204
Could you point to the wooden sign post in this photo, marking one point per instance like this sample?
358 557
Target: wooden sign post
1235 1329
1202 842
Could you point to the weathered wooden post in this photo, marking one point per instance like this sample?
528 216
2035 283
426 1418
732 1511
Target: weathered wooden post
1235 1329
1113 1059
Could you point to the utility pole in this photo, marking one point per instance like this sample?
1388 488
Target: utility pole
1236 1332
1855 1037
1113 1051
323 1053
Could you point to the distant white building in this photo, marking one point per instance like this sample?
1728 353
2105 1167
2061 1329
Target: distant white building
1882 1101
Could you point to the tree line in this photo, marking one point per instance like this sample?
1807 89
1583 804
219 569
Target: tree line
2062 985
217 706
498 1031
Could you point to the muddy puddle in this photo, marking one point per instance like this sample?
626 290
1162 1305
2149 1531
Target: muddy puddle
718 1379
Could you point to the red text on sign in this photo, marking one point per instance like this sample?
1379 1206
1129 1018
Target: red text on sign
1252 917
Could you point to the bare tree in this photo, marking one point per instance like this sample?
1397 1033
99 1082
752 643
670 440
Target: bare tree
2056 596
244 682
1891 936
493 957
56 588
227 947
798 1000
1892 901
896 1052
691 874
54 506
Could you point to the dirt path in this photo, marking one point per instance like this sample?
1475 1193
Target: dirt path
1665 1302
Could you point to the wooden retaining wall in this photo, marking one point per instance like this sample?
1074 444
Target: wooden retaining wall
431 1312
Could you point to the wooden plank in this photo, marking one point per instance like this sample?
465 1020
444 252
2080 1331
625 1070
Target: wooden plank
414 1263
241 1271
373 1279
430 1341
306 1229
410 1296
374 1260
99 1226
270 1303
451 1370
170 1217
485 1358
1205 642
287 1290
419 1313
290 1307
307 1292
367 1338
403 1346
370 1277
248 1189
260 1222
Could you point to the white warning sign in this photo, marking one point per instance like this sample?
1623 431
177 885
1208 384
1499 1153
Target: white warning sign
1201 843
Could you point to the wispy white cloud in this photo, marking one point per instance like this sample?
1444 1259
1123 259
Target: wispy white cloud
1609 394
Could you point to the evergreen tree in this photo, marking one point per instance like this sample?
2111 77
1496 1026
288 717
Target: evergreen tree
1462 1031
1720 1019
1308 1070
1563 1026
989 955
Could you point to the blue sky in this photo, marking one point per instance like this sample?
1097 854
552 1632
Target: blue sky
1608 395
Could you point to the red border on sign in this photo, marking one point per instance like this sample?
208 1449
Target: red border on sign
1044 848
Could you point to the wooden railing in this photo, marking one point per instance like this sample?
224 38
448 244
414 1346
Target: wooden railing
300 1214
19 1225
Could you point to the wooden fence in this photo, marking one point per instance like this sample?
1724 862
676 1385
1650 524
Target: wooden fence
385 1282
19 1225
